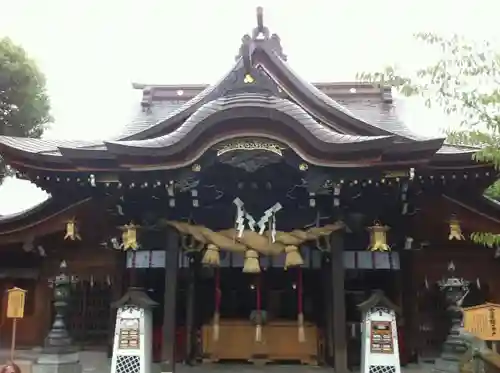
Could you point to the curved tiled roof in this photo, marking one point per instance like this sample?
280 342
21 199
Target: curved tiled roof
181 112
253 106
350 124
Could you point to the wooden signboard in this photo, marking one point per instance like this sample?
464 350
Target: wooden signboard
483 321
16 299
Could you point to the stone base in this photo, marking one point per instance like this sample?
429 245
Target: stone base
57 363
447 366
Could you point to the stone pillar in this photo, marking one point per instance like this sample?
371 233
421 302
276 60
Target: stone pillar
169 302
58 353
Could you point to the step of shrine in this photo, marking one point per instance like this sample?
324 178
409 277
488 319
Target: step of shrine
97 362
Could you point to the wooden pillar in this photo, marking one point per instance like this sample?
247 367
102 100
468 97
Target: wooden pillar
117 290
169 302
408 304
338 300
326 275
191 319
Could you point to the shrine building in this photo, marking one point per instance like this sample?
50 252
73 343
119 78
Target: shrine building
258 211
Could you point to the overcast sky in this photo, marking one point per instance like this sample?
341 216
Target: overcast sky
91 51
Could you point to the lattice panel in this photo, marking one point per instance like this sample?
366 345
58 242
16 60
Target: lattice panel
382 369
128 364
433 324
89 313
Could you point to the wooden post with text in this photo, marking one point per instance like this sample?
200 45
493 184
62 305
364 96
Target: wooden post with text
16 298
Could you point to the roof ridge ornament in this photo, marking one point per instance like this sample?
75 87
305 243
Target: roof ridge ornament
260 34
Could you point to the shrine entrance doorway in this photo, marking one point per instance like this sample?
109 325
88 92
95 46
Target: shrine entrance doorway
274 316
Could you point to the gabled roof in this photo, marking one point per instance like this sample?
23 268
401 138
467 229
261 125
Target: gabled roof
262 86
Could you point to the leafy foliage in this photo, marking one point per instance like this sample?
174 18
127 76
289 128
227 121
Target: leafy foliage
24 103
465 81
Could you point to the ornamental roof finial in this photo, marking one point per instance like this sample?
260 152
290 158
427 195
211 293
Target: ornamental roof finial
262 36
260 31
260 19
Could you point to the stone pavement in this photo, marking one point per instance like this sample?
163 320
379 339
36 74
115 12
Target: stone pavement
97 362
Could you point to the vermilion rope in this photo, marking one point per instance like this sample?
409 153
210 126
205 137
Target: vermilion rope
299 290
218 292
258 300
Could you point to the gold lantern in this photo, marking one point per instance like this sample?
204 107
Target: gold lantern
72 230
129 236
378 237
455 229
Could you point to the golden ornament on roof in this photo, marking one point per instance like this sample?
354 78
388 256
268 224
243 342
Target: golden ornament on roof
248 79
378 237
455 229
72 230
129 236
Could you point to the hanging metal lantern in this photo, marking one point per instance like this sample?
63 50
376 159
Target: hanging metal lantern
72 230
455 229
378 237
129 236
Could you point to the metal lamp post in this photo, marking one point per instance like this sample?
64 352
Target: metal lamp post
455 289
58 339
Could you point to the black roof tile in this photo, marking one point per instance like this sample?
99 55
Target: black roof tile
341 119
264 106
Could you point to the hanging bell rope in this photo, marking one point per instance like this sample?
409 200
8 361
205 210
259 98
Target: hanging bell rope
215 241
293 257
72 231
378 237
300 305
218 298
211 256
455 229
251 264
129 237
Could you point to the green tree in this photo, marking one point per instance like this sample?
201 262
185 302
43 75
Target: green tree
24 103
465 81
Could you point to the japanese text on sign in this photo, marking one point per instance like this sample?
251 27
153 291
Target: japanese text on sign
15 303
481 321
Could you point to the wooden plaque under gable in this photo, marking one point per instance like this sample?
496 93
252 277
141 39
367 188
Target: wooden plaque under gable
483 321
